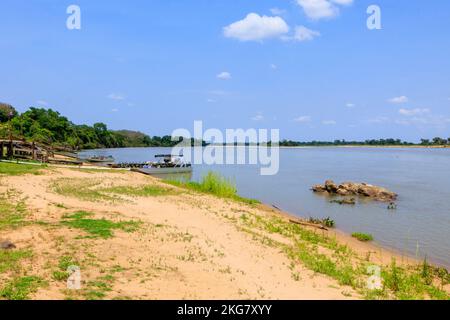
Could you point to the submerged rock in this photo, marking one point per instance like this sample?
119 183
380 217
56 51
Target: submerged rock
356 189
351 201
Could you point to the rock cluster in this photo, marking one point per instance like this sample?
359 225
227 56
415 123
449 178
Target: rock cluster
356 189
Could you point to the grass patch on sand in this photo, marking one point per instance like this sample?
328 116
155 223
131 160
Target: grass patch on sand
363 237
21 288
11 215
63 268
98 228
14 169
145 191
83 189
216 185
325 255
9 259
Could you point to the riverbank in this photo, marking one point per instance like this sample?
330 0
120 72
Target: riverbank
136 237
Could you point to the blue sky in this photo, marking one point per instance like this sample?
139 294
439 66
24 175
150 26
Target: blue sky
311 68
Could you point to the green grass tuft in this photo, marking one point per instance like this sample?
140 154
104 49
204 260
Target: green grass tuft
11 215
98 228
145 191
362 236
9 259
13 169
216 185
21 288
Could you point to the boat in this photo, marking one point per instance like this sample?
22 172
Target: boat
166 164
100 159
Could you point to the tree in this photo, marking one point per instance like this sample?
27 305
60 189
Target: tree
7 111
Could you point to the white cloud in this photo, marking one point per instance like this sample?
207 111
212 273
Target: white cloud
350 105
303 119
329 122
256 28
210 100
258 117
413 112
318 9
224 75
304 34
379 120
115 96
438 122
399 100
42 103
277 11
273 66
115 110
219 92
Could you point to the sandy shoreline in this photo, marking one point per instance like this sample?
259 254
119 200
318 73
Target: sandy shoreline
186 246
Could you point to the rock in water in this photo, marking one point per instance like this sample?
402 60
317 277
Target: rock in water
357 189
6 245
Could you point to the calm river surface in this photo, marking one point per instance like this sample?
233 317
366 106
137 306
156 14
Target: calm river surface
421 177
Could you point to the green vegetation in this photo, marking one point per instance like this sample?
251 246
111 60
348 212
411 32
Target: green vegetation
64 263
216 185
48 126
98 289
362 236
98 228
373 142
13 169
7 111
11 215
327 222
20 288
81 189
145 191
9 260
323 254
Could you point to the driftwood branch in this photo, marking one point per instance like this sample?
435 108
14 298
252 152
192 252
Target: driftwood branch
307 224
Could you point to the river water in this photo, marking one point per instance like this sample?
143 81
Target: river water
419 227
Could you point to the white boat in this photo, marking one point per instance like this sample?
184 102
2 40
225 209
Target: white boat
167 164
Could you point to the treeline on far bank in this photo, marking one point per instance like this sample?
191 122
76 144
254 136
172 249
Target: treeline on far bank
49 127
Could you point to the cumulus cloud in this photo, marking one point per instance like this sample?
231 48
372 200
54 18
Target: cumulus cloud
277 11
258 117
115 96
303 119
413 112
319 9
256 28
399 100
224 75
42 103
304 34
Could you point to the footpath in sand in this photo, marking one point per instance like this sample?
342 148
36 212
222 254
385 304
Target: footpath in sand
135 237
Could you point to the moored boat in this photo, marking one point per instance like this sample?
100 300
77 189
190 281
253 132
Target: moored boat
166 164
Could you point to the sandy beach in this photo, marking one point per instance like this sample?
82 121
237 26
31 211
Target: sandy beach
136 237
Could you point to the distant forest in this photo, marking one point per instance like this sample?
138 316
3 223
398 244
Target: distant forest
50 127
